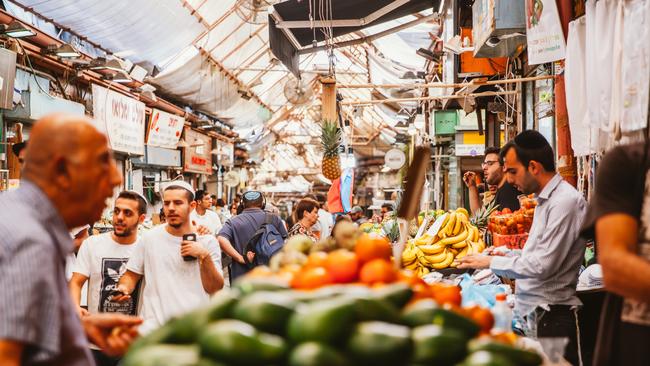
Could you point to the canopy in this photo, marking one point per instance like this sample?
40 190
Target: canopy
296 24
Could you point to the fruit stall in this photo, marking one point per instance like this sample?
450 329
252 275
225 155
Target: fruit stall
341 304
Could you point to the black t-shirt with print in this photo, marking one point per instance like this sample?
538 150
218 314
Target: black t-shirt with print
622 186
506 197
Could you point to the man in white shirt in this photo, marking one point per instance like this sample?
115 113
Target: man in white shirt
102 260
180 274
202 215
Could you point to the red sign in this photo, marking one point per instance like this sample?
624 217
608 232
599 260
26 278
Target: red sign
198 156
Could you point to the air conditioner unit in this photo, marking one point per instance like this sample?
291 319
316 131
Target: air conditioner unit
498 27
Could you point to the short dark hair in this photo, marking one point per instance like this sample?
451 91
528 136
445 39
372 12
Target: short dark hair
388 206
189 195
198 195
321 198
214 197
305 204
142 204
221 202
531 145
493 150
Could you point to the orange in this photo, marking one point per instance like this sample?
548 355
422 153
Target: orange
369 247
288 272
343 265
378 270
316 259
447 294
311 278
260 271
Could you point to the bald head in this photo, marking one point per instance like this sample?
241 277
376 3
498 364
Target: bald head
58 135
69 159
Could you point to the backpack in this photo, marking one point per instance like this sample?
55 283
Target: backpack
266 241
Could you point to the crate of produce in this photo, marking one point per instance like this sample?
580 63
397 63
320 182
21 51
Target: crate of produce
515 241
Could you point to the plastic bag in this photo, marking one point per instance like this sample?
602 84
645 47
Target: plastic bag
481 295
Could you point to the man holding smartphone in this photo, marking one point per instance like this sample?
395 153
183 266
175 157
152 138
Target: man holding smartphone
181 269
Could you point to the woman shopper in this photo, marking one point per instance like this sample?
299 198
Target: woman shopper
306 216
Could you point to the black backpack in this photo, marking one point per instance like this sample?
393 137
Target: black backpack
266 241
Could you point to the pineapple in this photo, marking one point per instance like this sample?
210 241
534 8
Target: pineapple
330 140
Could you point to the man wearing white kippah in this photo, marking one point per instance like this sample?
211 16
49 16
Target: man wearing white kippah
181 268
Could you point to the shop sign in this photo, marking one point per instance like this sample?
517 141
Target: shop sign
198 157
159 156
395 158
469 150
446 122
225 153
165 129
121 118
544 32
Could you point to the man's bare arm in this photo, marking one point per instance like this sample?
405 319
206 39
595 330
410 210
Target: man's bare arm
211 278
127 284
624 271
230 250
76 283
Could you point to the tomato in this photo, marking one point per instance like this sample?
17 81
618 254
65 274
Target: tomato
506 211
378 270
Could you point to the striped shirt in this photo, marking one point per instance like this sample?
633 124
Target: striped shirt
547 269
35 306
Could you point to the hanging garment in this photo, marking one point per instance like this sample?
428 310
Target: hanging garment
635 80
600 48
576 88
613 123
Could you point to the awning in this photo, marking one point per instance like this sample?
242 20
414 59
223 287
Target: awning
291 31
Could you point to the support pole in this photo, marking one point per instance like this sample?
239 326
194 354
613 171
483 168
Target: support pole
329 99
566 161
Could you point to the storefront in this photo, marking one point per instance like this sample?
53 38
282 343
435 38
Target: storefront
28 101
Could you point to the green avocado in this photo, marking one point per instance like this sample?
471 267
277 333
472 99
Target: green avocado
419 313
433 344
368 308
239 343
449 319
326 321
379 343
398 294
486 358
222 303
162 355
316 354
516 355
266 311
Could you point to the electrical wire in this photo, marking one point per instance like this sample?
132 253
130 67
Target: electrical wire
29 63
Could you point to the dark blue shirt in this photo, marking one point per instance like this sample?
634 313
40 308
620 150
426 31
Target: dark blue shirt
241 228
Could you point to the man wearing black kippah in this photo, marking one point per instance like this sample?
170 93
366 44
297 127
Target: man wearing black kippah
547 269
238 231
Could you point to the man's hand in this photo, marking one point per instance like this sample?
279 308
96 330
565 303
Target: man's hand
121 294
202 230
250 256
475 262
111 332
82 312
193 249
469 178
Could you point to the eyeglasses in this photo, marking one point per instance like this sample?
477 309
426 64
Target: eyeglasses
488 163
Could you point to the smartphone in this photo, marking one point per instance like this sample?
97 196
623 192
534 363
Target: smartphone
189 237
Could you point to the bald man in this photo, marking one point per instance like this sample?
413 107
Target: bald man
69 173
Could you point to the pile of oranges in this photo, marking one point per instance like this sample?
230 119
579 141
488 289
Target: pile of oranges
369 264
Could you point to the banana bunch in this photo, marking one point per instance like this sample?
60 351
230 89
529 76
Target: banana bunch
456 239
